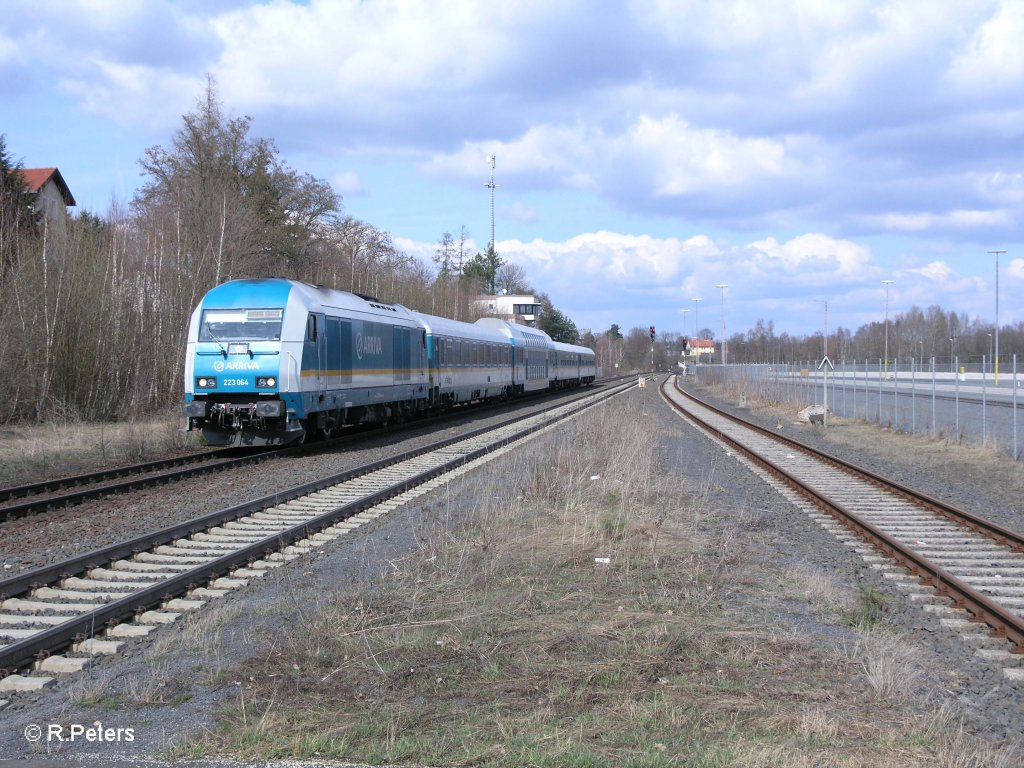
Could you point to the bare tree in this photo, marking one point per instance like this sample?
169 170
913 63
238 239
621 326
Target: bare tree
512 278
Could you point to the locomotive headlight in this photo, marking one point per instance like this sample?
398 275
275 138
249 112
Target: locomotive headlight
206 382
271 382
266 381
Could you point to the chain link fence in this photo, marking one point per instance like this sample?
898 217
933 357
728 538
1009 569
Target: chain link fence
973 404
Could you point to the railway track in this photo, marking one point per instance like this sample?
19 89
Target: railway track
945 554
36 498
155 577
58 493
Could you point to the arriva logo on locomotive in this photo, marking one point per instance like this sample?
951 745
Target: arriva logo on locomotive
368 345
220 365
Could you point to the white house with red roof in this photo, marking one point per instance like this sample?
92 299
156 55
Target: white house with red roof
54 197
701 347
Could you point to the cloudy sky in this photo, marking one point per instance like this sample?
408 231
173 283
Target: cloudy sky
646 151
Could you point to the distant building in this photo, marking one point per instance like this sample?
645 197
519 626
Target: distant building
522 310
54 195
701 348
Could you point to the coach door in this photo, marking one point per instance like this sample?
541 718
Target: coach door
314 356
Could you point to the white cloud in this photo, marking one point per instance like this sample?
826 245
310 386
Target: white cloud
611 270
357 54
681 160
9 49
665 157
936 270
747 23
993 60
519 212
1015 269
135 94
810 259
922 222
608 258
348 184
1006 188
555 155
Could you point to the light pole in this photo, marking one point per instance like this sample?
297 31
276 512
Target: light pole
996 253
696 325
951 364
887 283
725 351
920 366
684 311
990 351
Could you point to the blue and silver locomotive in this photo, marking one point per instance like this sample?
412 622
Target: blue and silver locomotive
273 361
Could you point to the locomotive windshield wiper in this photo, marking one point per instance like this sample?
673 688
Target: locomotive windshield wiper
223 349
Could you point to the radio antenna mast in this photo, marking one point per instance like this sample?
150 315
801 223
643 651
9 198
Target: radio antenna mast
491 185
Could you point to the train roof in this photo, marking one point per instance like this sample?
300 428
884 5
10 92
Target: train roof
276 292
443 326
561 346
519 334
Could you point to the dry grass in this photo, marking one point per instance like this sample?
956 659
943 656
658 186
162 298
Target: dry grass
930 451
509 641
32 451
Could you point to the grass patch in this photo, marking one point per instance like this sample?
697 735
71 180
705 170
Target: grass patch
869 609
576 617
31 451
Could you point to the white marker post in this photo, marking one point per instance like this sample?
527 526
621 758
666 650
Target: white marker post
825 366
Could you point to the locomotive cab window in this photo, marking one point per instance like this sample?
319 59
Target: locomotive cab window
241 325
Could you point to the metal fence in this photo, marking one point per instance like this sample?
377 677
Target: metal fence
978 407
